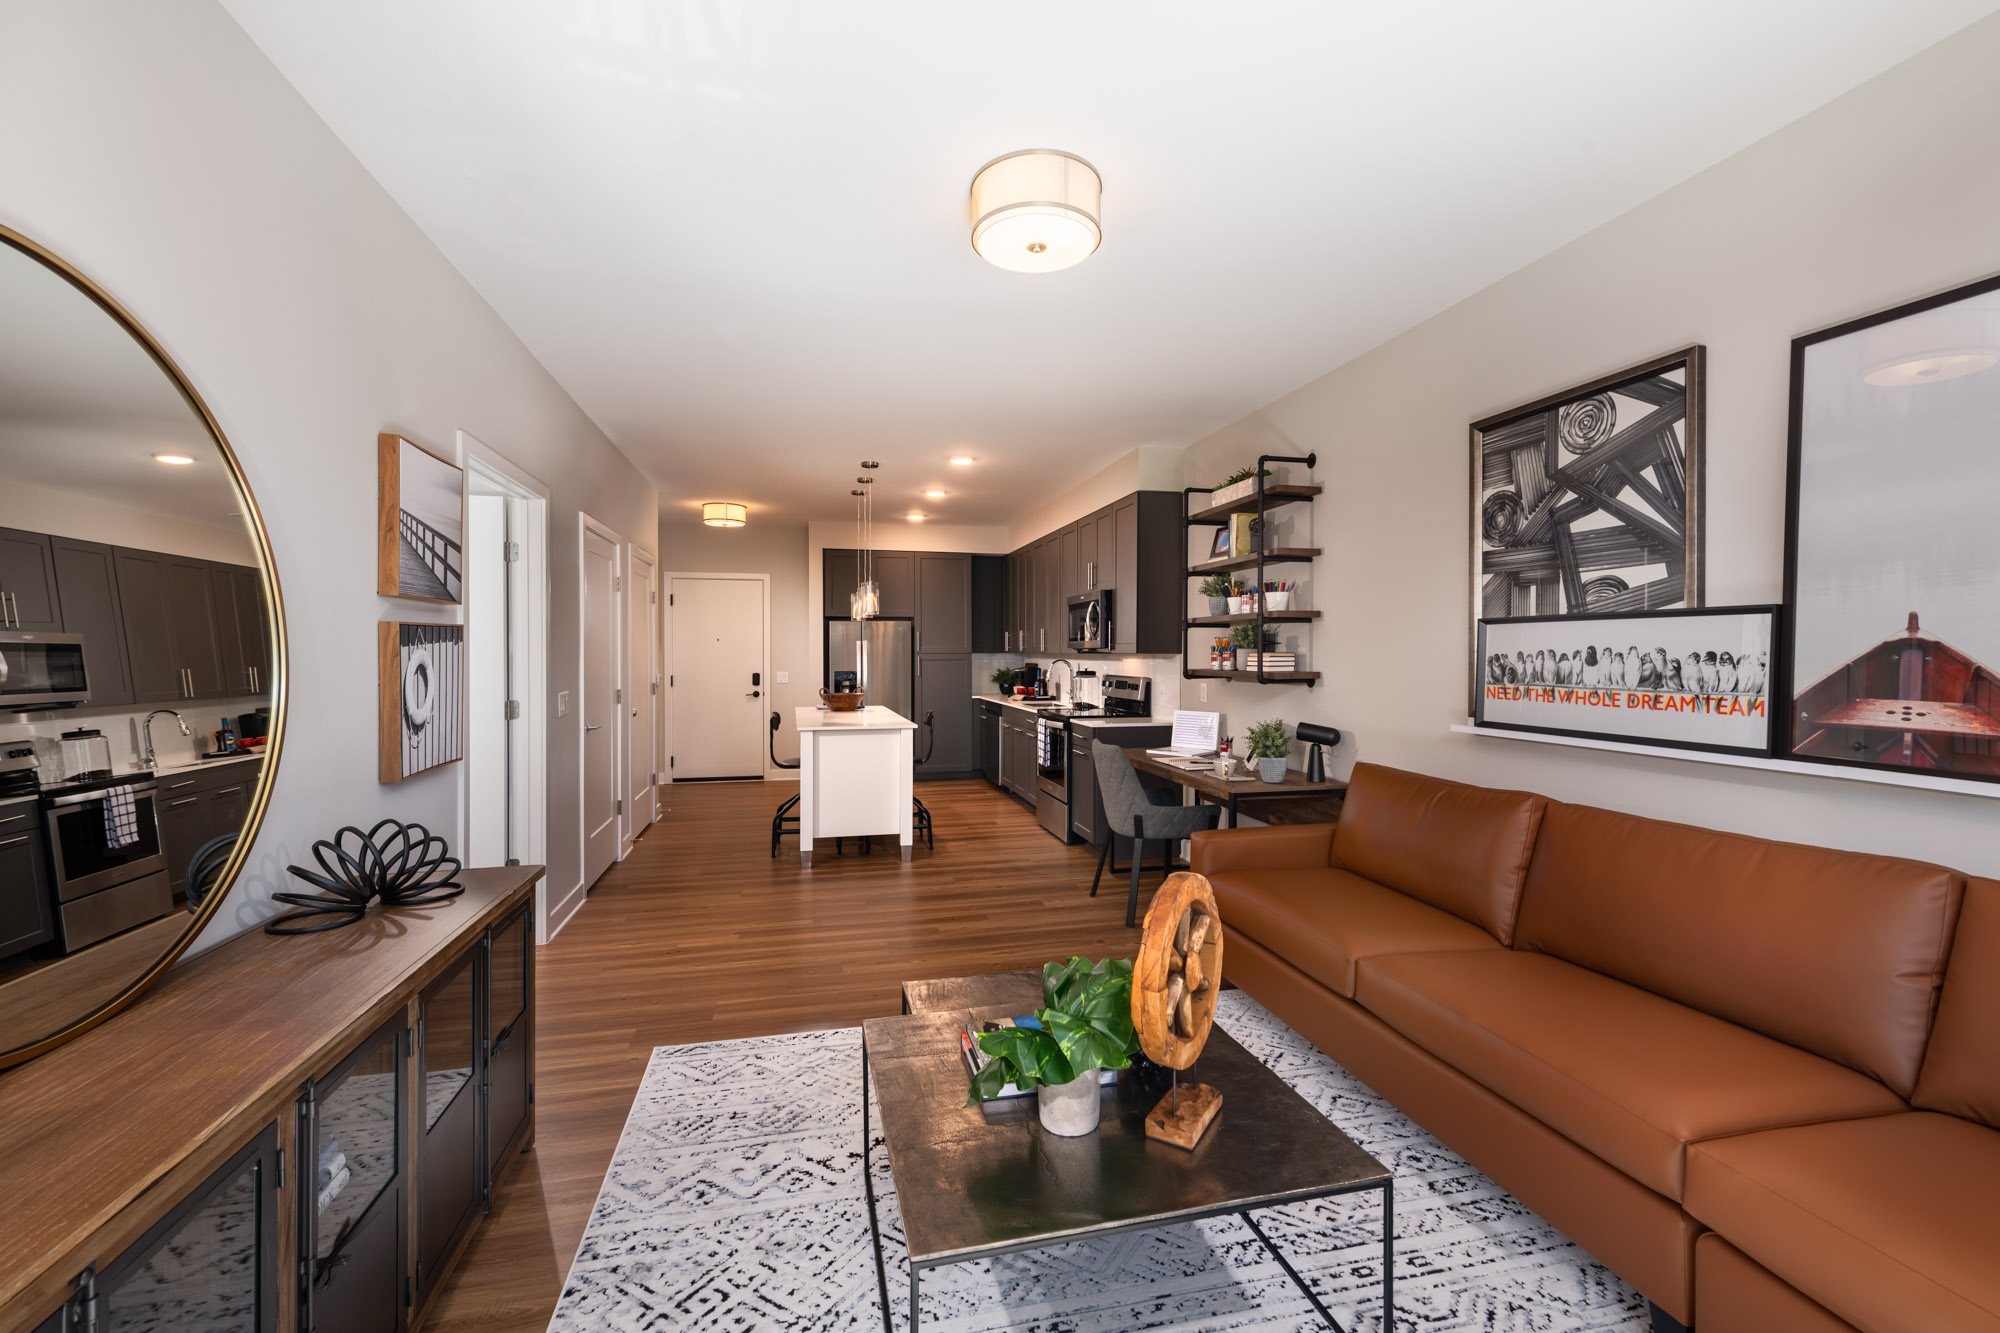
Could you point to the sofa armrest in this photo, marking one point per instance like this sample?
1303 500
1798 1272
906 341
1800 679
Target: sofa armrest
1279 847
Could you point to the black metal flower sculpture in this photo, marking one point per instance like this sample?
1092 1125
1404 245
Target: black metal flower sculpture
404 865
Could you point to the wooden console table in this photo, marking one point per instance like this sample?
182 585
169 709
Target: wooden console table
1293 801
102 1139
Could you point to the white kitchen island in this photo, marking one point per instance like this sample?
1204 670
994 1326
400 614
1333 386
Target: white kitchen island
855 771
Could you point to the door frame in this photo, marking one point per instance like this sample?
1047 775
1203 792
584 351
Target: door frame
532 834
666 579
585 525
629 824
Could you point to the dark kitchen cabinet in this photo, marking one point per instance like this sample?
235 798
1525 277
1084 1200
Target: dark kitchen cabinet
944 603
944 691
1020 601
167 604
195 805
1131 547
1017 762
841 572
87 581
896 574
25 915
210 1263
242 632
989 604
28 596
352 1185
191 624
1069 567
1055 605
987 721
450 1167
1104 550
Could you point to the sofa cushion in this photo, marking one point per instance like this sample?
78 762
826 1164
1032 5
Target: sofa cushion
1888 1222
1321 921
1629 1075
1838 952
1734 1295
1962 1064
1460 848
1274 847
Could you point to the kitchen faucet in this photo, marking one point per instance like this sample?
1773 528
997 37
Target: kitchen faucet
1070 697
146 729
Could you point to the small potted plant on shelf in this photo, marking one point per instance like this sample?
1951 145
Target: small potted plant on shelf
1242 639
1086 1027
1236 486
1218 588
1004 678
1268 746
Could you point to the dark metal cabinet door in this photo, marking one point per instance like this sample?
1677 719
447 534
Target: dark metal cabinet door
88 582
510 1037
26 916
28 583
1055 606
253 627
989 604
944 603
944 692
895 572
1069 568
841 573
450 1174
149 642
183 820
1105 546
1125 570
352 1171
232 654
211 1263
191 626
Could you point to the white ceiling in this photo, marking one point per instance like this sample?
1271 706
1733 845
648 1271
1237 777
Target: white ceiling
737 230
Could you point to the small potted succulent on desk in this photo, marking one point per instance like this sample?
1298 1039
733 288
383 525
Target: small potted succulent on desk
1218 588
1086 1026
1269 746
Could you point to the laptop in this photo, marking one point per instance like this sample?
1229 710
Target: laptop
1194 737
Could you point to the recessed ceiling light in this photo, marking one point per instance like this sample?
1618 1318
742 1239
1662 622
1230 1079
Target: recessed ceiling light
933 495
916 518
1036 211
961 462
174 460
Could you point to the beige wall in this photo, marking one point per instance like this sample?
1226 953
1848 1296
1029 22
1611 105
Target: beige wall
762 546
171 163
89 518
1880 197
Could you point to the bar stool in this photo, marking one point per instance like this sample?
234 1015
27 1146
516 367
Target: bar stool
1141 813
787 819
922 816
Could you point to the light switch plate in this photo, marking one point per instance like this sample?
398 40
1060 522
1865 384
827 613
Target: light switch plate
562 703
1204 691
784 677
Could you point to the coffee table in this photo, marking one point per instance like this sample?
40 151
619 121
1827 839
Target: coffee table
983 1181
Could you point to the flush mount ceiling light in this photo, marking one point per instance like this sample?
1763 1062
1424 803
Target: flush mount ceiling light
961 462
914 518
933 495
724 514
173 460
1036 211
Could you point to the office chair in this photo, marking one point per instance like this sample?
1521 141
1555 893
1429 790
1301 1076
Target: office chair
1143 814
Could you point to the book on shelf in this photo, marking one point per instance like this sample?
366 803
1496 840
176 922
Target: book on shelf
975 1059
1269 661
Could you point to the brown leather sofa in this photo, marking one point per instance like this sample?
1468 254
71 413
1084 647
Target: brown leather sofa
1720 1064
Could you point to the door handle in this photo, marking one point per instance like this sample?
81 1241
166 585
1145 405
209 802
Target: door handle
754 694
590 726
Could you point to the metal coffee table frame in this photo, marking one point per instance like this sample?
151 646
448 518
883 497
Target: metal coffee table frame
1239 1206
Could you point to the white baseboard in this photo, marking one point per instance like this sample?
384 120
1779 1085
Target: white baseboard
555 917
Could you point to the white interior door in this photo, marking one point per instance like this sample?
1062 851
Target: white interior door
720 701
599 705
486 679
642 724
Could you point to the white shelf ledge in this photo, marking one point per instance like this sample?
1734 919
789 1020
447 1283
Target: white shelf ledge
1839 773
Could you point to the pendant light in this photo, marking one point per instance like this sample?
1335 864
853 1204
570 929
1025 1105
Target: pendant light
866 603
1036 211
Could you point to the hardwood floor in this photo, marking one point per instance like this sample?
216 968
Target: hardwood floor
700 935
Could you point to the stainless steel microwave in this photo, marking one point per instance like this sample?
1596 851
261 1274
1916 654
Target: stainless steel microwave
1090 622
41 671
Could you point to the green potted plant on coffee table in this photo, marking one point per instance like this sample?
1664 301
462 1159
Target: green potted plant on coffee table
1269 745
1086 1025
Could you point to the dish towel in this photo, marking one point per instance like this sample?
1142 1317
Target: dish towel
1044 743
121 818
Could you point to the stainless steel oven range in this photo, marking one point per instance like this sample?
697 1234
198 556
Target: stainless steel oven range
104 848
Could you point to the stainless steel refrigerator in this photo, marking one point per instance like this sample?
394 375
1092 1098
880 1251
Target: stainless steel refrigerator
882 655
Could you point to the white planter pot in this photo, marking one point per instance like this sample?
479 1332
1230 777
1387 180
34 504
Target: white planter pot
1271 770
1278 600
1239 606
1070 1109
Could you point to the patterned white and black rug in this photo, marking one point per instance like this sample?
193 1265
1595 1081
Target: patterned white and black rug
735 1201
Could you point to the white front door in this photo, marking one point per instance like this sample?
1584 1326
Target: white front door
720 700
600 706
642 724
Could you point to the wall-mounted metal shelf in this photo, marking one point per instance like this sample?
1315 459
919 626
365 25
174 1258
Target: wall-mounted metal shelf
1259 502
1278 555
1218 515
1251 617
1255 677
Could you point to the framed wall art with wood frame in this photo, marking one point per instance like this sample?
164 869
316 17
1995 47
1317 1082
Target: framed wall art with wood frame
1892 553
1589 501
421 676
420 523
1693 679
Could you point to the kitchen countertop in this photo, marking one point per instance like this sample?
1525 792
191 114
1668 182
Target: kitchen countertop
223 762
872 718
1030 706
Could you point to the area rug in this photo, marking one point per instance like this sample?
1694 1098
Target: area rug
735 1201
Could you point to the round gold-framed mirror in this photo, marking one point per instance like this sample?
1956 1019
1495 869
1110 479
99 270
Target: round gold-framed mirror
142 657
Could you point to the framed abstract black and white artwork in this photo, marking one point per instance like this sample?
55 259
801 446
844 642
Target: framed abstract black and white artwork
1590 501
421 680
1892 562
1695 679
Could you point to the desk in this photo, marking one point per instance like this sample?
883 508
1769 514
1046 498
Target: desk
1293 801
854 776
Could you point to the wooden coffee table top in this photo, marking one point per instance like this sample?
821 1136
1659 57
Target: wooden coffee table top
981 1180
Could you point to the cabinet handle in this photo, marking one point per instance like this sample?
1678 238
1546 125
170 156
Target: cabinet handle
176 786
12 612
185 800
13 819
920 640
227 791
14 842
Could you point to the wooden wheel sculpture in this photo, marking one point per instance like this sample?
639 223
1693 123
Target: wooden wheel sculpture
1175 980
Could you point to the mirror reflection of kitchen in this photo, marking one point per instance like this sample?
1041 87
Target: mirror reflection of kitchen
135 655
